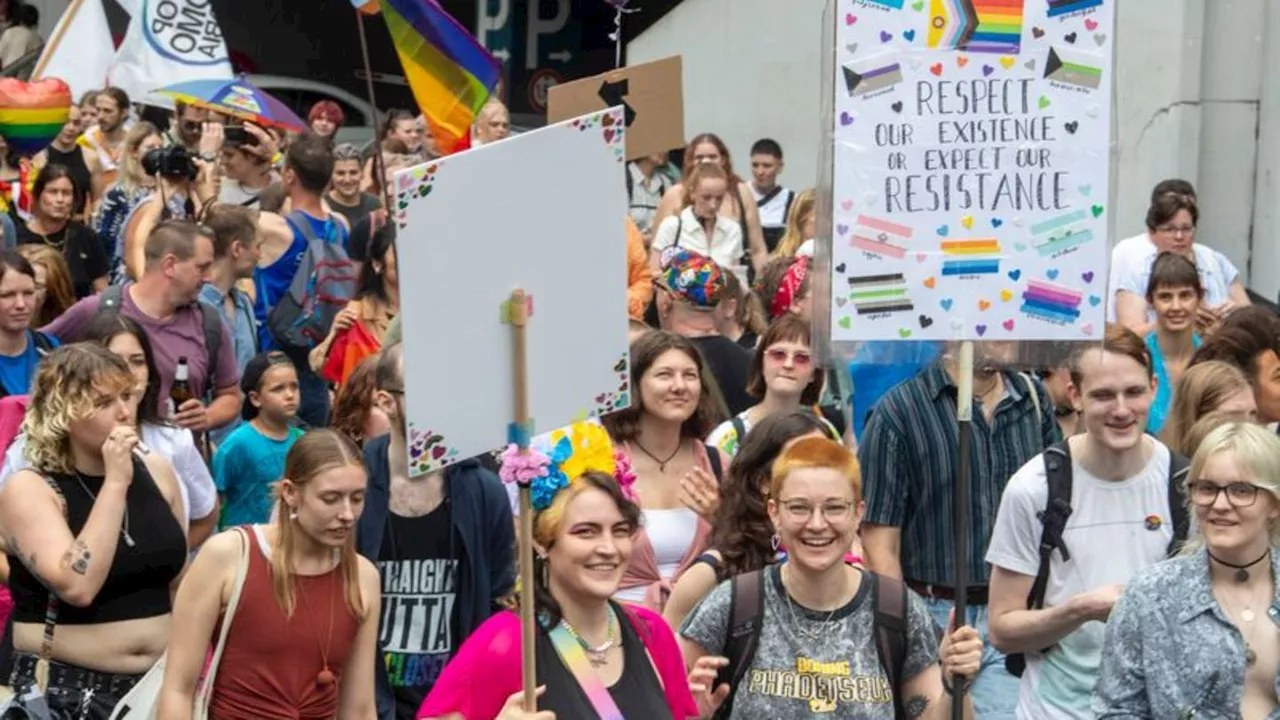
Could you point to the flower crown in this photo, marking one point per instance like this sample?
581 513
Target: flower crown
581 448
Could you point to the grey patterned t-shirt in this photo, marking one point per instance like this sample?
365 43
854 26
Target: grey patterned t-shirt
836 676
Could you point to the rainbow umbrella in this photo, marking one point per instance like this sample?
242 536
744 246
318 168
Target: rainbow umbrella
238 98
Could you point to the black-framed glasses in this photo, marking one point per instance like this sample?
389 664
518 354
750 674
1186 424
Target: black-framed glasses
1239 494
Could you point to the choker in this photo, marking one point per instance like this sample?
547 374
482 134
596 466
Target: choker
1242 572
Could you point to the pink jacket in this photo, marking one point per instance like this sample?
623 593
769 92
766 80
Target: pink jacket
486 670
643 569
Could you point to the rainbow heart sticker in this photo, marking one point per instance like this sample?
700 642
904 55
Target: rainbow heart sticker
32 114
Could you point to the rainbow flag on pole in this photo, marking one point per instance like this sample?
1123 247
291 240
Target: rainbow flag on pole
450 73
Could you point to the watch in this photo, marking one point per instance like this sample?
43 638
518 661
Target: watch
208 156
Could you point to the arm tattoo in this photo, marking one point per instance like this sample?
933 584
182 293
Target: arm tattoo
28 560
77 557
915 706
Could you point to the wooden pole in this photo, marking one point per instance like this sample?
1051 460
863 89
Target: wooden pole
528 618
51 47
960 504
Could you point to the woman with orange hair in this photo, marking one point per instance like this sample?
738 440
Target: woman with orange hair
54 294
827 626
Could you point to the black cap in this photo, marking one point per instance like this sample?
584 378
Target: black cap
252 377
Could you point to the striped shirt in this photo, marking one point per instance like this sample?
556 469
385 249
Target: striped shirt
908 458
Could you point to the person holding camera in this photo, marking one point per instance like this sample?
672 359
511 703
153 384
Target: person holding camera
52 224
184 185
248 157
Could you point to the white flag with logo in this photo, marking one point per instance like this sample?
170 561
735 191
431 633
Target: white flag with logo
80 49
168 42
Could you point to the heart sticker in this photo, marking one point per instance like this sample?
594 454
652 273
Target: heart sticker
967 222
1007 61
925 321
936 69
984 305
981 330
1095 301
987 70
904 333
1006 296
946 304
846 322
943 230
1052 274
32 114
1087 276
962 61
1087 328
1015 275
1090 24
885 36
910 35
1045 102
846 205
1008 325
930 282
845 119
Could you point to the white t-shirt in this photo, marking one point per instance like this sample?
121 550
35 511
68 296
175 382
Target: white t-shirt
773 214
199 496
1115 530
1132 259
725 246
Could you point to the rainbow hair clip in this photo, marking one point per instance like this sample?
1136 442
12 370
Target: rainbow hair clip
581 448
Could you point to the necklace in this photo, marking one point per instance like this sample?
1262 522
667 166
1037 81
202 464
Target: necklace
596 655
325 677
124 529
662 464
1246 617
1242 571
816 635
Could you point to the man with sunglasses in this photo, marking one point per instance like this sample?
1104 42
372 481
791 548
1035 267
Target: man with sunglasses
188 120
1118 509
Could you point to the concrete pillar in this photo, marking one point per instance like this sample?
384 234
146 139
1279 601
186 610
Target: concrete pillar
1265 259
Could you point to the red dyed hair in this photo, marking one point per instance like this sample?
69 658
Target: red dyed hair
328 110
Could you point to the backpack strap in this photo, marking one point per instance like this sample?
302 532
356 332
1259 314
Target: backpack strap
1178 468
1035 396
299 222
889 604
786 210
212 325
713 458
42 342
742 635
1057 466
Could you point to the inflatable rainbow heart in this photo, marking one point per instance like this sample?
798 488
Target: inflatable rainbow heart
32 114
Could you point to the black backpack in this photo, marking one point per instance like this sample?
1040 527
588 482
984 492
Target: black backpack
746 615
1057 466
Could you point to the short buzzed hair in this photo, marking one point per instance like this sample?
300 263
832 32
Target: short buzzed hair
171 237
230 223
389 374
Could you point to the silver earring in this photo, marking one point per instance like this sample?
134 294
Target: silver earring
293 515
775 542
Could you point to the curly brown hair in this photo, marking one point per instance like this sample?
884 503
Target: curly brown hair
354 401
624 425
743 533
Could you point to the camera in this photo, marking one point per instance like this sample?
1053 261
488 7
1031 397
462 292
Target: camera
173 162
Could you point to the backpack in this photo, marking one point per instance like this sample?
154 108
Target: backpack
746 615
43 346
323 283
109 304
1057 465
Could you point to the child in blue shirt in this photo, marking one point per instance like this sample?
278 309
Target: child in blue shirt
251 460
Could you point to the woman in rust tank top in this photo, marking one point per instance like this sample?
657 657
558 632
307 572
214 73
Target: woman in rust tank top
302 640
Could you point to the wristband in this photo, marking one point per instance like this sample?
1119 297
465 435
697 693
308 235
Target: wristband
277 158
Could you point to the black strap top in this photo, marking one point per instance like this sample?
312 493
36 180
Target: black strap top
137 585
638 693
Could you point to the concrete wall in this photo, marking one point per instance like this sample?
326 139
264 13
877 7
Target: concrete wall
1192 100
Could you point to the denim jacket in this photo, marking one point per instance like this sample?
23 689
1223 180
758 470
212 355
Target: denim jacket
1171 651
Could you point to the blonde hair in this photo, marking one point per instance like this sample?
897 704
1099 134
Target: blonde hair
59 293
816 452
67 386
314 453
1256 451
1201 389
700 172
802 209
131 173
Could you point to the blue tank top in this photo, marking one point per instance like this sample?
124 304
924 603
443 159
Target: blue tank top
272 282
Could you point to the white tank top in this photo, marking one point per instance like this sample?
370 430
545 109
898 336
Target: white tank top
671 532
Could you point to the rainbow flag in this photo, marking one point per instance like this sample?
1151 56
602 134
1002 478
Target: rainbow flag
450 73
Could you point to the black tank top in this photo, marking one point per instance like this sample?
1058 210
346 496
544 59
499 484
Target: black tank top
137 585
638 693
79 169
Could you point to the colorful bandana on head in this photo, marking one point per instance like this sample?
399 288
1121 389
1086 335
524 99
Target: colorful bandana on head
789 288
694 278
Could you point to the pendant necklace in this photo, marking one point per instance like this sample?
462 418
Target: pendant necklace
1242 571
124 529
325 677
1246 618
597 655
662 464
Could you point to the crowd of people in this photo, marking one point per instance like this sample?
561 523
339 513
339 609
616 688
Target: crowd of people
201 467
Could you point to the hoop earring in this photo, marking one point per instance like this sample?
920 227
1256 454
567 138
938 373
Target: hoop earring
775 542
293 515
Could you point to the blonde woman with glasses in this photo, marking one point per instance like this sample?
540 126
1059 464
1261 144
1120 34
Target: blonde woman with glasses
1197 636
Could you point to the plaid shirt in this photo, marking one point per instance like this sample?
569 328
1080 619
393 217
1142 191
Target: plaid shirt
908 457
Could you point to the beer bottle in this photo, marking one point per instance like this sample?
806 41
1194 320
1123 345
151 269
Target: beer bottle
180 392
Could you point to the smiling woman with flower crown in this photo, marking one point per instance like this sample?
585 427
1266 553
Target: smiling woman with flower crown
595 657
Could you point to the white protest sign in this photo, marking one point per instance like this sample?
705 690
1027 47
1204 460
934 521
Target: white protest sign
972 148
544 212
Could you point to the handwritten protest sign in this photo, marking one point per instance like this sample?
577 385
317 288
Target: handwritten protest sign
971 165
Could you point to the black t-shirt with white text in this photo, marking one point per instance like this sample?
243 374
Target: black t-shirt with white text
419 627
